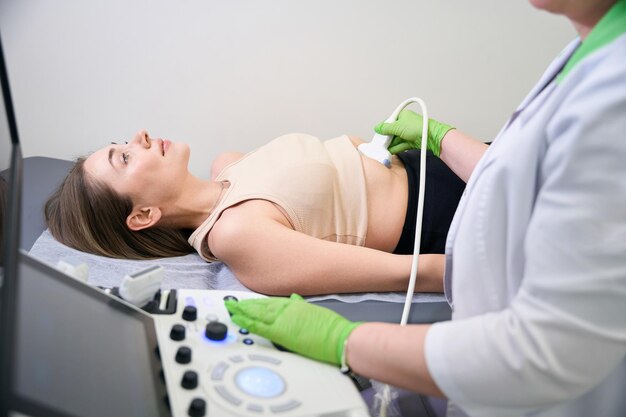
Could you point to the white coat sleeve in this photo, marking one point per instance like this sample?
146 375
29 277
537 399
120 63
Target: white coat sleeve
565 329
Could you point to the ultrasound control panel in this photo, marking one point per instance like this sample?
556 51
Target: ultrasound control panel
214 368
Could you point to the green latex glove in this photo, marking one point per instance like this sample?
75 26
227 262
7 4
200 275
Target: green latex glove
407 132
312 331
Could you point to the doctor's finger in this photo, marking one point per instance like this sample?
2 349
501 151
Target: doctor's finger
265 310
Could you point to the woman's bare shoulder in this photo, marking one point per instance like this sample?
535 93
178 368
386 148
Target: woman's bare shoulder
249 220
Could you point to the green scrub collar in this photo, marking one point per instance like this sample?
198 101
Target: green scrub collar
610 27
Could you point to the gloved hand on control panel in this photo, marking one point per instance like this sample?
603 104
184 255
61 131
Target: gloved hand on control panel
312 331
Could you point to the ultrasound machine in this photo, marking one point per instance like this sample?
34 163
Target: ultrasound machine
69 349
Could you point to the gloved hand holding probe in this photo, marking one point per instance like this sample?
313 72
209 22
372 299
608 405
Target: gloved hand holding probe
407 132
312 331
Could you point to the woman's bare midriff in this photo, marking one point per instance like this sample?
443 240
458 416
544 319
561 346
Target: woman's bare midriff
387 199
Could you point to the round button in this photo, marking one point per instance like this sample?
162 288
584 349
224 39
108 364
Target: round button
216 331
247 341
244 331
177 332
230 298
190 313
197 408
190 380
183 355
260 382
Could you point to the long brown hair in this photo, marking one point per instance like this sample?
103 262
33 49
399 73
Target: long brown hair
88 215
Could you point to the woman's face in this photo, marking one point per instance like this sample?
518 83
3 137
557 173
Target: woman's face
149 171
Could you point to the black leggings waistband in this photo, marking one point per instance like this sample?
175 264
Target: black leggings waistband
441 197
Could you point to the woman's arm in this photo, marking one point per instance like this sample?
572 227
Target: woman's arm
269 257
461 153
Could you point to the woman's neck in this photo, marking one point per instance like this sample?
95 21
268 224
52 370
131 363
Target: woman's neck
195 203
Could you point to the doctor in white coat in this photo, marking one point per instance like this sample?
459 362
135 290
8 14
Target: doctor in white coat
535 266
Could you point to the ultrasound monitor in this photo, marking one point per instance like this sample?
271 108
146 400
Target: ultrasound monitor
10 176
10 197
80 352
66 349
6 148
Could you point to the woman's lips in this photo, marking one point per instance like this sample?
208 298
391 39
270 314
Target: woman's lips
165 145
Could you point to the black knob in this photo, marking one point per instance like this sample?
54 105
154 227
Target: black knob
183 355
216 331
177 332
190 313
190 380
197 408
230 297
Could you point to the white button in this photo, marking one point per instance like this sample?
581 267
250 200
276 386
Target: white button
260 382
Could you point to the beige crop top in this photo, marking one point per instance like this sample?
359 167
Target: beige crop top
319 185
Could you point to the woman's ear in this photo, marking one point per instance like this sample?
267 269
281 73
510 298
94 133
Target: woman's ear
143 218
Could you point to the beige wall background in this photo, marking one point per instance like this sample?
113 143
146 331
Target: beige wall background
231 75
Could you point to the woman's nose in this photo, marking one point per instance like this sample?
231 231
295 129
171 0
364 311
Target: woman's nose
142 138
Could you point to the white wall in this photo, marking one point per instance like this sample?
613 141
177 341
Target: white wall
233 74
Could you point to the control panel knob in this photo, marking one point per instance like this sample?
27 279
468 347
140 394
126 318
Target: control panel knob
190 380
183 355
177 332
190 313
216 331
197 408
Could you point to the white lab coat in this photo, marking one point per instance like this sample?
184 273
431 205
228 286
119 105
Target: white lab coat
536 257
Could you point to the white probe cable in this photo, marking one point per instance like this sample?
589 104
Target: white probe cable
420 212
377 149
